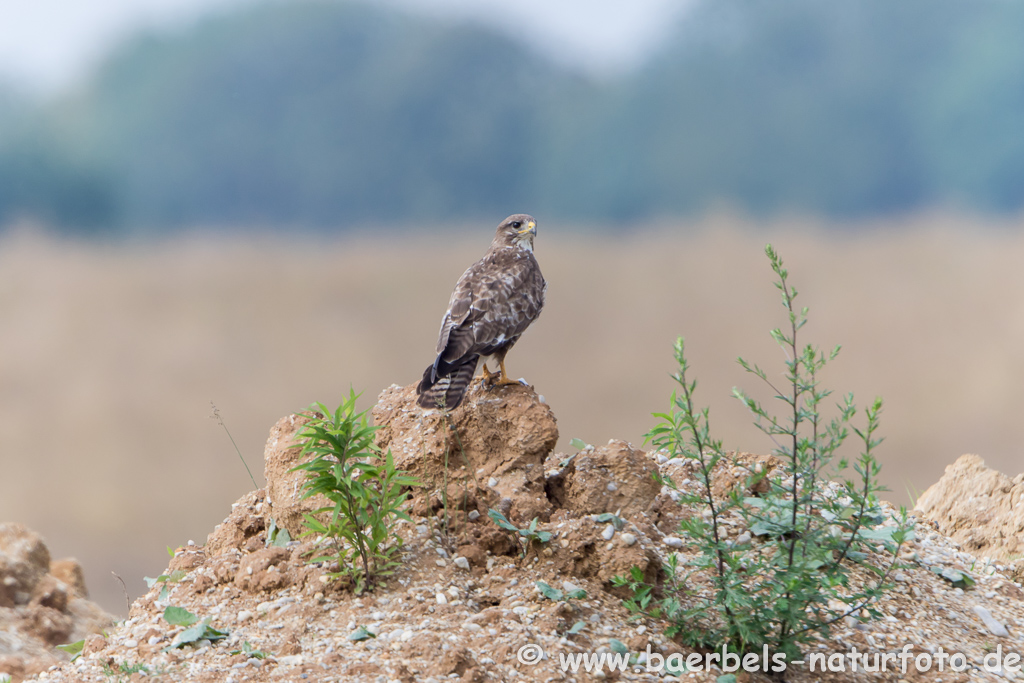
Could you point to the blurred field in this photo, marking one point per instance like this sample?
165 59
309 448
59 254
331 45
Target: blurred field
111 355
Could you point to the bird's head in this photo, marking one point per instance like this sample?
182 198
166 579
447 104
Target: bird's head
517 230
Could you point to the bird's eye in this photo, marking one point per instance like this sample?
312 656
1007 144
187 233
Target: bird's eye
516 224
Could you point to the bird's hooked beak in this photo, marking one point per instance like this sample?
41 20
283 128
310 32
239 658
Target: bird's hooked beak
530 227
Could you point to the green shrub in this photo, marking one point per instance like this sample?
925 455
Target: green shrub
365 491
813 554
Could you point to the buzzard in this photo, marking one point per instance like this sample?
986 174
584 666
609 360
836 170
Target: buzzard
494 302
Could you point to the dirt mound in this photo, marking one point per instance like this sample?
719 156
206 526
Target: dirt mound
980 508
492 448
613 478
466 603
42 604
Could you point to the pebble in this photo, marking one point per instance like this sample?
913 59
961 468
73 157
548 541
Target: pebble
608 532
492 482
290 660
440 562
474 515
745 537
612 487
441 598
462 563
673 542
131 643
993 626
245 615
628 539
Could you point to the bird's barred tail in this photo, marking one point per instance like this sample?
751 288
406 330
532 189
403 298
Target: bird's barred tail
450 388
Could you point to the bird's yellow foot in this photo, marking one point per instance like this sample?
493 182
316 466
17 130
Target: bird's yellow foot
486 376
503 378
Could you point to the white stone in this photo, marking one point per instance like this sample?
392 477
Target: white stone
993 626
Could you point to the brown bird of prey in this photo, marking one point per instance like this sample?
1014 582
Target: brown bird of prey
494 302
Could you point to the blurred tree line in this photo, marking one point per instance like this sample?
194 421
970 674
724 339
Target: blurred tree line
326 115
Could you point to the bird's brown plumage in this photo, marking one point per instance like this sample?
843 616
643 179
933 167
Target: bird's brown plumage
494 302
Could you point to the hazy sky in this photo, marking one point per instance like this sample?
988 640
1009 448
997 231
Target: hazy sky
47 44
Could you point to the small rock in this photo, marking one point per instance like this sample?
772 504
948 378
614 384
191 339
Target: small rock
462 563
628 539
245 615
290 660
441 598
608 532
612 487
673 542
131 643
492 482
993 626
474 515
745 537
